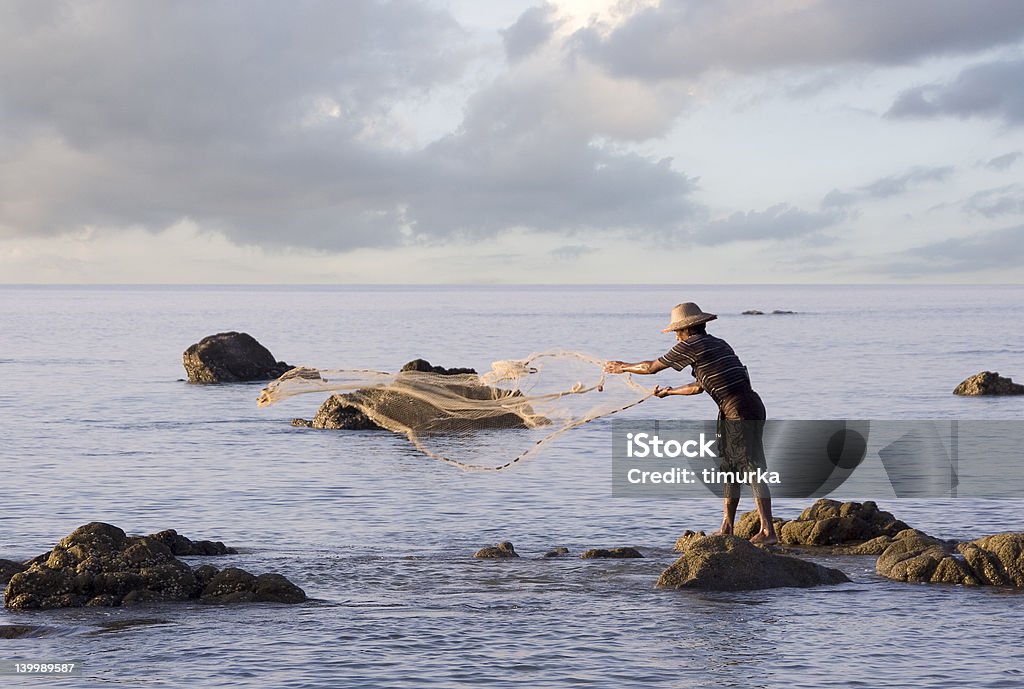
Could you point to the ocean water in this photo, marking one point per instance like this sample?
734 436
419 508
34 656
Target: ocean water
96 424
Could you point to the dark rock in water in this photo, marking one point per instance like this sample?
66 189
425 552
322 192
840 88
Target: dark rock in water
337 413
918 557
988 383
497 552
729 563
230 358
344 411
99 565
557 552
753 312
614 553
8 568
782 312
180 545
22 631
424 366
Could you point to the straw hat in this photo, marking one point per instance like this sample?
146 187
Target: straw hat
685 315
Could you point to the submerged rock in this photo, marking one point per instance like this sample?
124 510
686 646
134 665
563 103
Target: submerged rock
988 383
730 563
230 357
611 553
557 552
753 312
99 565
497 552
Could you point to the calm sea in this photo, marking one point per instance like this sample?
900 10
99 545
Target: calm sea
95 424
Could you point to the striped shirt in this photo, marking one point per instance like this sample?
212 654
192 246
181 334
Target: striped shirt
715 365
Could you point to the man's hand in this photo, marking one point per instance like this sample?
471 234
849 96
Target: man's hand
614 366
662 392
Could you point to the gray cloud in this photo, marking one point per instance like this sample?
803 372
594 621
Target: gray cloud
991 203
683 38
781 221
533 29
997 250
988 90
885 187
1003 162
277 125
571 252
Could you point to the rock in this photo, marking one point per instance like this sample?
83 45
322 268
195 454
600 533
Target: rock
988 383
687 536
749 524
557 552
730 563
180 545
423 366
274 588
337 413
753 312
921 558
8 568
782 312
996 560
344 411
613 553
497 552
22 631
830 522
99 565
230 358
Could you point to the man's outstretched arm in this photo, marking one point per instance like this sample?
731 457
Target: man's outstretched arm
642 368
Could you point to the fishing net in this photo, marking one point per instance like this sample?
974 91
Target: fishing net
482 422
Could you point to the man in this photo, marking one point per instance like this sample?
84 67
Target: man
741 414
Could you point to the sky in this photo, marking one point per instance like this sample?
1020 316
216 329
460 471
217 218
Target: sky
478 141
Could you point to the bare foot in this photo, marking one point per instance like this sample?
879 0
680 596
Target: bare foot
762 538
726 529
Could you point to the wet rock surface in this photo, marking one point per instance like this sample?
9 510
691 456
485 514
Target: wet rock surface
99 565
988 383
730 563
230 357
996 560
8 568
503 550
611 553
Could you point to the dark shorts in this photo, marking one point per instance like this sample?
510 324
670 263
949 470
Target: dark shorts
741 431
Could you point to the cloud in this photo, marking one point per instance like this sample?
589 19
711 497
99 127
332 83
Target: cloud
571 252
989 90
991 203
283 125
778 222
997 250
1003 162
534 28
886 187
682 39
